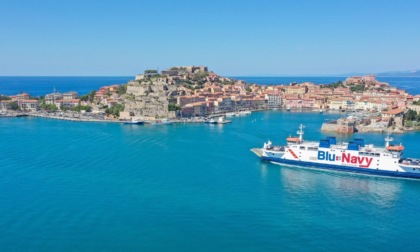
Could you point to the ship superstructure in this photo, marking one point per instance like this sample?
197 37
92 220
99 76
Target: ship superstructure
354 156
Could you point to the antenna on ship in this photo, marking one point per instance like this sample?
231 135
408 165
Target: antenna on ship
388 139
300 132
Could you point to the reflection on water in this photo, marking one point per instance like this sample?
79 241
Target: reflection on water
264 170
380 191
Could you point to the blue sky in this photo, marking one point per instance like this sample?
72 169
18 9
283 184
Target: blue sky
232 37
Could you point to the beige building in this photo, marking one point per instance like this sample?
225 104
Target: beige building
296 89
28 105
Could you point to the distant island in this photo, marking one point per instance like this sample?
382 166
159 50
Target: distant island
414 73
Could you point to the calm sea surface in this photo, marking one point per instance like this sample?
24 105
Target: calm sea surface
68 186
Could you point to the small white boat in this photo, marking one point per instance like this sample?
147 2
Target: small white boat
211 121
222 120
162 122
246 112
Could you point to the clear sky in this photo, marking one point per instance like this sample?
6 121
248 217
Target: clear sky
232 37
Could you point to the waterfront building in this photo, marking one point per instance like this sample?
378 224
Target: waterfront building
225 103
292 102
273 99
53 97
67 104
363 105
5 105
195 109
184 100
28 105
340 103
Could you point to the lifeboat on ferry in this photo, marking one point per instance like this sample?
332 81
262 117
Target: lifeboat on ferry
395 148
293 139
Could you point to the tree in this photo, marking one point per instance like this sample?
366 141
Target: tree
333 85
411 115
14 106
122 89
115 110
357 88
173 107
49 107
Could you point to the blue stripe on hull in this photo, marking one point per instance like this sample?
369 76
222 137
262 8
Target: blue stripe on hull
343 168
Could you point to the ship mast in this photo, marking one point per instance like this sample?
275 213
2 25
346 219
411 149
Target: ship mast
300 132
388 139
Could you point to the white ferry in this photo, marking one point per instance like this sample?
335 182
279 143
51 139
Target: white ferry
353 156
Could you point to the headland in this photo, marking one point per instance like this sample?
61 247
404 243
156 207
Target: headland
195 94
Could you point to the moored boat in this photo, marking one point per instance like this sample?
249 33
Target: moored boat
134 122
354 156
163 121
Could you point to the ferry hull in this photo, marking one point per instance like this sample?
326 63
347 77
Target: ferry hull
351 169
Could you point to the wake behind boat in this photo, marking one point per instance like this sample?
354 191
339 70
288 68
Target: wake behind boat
354 156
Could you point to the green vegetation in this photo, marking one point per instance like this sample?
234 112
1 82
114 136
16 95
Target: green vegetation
49 107
63 108
357 88
412 115
333 85
227 83
122 89
79 108
88 97
199 75
115 110
248 89
14 106
416 102
173 107
412 118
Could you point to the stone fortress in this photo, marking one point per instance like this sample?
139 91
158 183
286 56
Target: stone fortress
147 97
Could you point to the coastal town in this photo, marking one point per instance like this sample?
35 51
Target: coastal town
195 94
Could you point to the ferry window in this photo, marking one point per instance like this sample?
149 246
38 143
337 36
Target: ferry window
377 154
302 147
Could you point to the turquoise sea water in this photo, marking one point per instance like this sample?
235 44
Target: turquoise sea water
67 186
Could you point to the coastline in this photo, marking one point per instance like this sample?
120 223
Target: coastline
79 117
